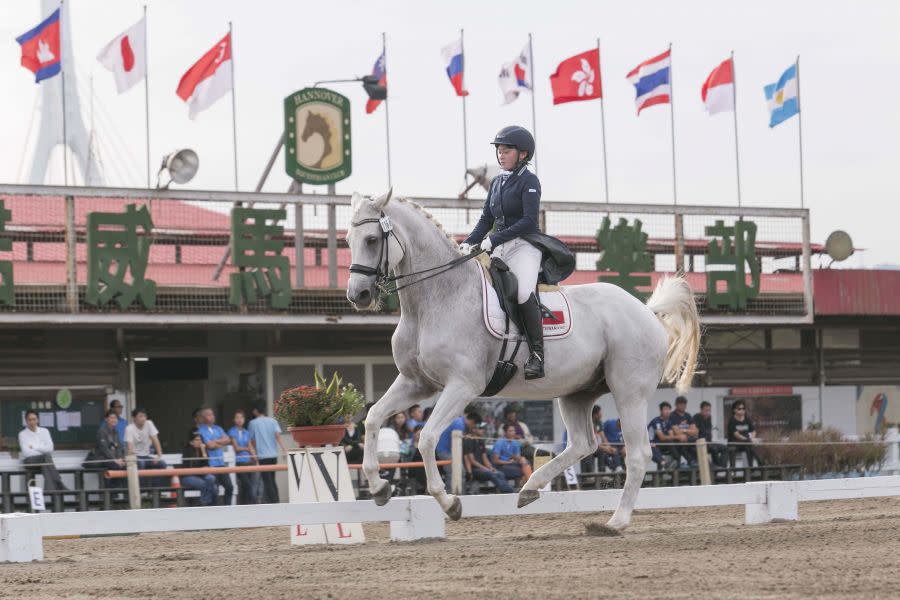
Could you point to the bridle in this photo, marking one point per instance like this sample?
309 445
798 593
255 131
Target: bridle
387 284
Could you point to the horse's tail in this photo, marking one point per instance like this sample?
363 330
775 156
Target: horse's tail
673 303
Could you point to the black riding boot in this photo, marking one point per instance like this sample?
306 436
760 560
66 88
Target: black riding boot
534 335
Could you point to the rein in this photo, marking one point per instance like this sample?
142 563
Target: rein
387 284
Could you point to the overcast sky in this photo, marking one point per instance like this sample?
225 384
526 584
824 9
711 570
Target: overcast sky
850 55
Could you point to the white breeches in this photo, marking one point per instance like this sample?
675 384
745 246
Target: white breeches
524 260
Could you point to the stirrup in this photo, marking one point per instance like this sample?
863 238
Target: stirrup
532 371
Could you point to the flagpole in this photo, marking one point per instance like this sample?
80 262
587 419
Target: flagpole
387 119
62 61
603 121
463 88
737 160
233 109
533 111
800 130
147 95
672 117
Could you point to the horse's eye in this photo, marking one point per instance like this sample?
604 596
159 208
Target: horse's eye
370 240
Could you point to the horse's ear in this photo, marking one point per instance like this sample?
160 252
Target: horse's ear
355 201
382 200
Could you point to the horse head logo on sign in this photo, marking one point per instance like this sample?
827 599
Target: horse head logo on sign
317 136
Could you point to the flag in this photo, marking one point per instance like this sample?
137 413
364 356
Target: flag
209 79
379 73
453 59
651 81
782 97
40 48
718 89
515 76
577 78
124 56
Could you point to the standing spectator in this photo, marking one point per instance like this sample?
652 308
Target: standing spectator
478 465
703 421
122 422
266 434
684 431
416 417
417 476
216 440
139 435
741 435
352 441
36 446
507 455
660 431
244 456
194 455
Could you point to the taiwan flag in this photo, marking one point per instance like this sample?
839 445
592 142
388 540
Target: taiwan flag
125 56
379 73
577 78
40 48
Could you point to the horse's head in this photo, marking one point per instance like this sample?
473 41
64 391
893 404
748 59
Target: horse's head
373 251
315 123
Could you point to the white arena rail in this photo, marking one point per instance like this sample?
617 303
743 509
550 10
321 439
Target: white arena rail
420 517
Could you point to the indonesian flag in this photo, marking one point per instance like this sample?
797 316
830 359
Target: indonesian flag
718 89
209 79
577 78
125 56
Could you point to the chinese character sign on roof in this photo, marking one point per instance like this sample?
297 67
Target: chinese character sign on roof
257 253
115 249
624 251
735 248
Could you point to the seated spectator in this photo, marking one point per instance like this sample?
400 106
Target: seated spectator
109 451
426 414
741 435
139 436
194 455
660 432
398 422
216 441
612 429
36 446
606 454
122 422
416 417
388 444
478 465
244 456
523 434
703 421
353 441
444 448
684 431
507 456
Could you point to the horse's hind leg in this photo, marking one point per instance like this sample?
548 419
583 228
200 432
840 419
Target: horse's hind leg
575 411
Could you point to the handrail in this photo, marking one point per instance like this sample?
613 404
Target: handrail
112 474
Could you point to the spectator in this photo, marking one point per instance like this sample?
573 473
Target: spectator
684 431
741 435
444 445
416 417
426 414
478 465
122 422
195 421
244 456
418 475
215 439
36 446
660 431
507 455
109 450
612 429
194 455
398 422
266 434
703 421
139 435
352 441
389 443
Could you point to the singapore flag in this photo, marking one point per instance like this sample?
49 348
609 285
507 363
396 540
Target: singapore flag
125 56
209 79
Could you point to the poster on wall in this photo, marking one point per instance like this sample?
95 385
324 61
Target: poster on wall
877 408
770 408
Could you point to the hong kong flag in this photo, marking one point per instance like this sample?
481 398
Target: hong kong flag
40 48
577 78
125 56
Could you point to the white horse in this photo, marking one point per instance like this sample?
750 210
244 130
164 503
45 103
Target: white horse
446 356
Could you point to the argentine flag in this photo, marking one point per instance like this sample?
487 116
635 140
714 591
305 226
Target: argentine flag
783 97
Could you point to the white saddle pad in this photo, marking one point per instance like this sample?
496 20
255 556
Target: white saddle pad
557 324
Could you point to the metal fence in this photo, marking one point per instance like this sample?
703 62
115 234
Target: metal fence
82 250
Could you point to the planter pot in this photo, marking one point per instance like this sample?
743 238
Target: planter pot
318 435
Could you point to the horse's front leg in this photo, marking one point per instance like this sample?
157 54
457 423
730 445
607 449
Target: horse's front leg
449 405
402 394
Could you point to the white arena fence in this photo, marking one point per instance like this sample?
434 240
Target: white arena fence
420 517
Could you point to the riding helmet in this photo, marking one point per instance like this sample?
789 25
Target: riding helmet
518 137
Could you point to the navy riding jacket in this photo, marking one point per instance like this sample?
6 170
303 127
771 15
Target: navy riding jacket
512 207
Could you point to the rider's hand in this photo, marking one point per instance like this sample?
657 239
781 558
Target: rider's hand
465 248
486 245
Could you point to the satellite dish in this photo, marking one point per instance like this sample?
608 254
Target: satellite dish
839 246
181 165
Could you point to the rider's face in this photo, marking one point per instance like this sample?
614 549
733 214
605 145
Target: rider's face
508 156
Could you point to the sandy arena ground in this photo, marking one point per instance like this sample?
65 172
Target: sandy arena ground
837 550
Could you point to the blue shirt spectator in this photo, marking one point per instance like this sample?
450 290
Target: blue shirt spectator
505 449
216 455
444 443
121 424
682 421
241 438
264 429
613 430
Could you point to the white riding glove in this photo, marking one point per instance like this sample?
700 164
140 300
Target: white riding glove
486 245
465 248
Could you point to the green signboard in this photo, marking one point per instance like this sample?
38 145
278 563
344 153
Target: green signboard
317 136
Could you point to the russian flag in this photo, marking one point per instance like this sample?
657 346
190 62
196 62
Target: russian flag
651 81
380 73
453 59
40 48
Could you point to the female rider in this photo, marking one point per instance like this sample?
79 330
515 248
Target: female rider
512 209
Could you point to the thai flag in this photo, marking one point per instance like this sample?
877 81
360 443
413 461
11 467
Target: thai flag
379 73
652 81
453 59
41 48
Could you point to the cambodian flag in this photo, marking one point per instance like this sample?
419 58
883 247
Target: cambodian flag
379 73
40 48
453 59
652 82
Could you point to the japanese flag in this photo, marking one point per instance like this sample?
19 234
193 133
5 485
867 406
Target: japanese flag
126 56
209 79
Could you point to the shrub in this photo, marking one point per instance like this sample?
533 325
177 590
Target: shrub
322 404
823 451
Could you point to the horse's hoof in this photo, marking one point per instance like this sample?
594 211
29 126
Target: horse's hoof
526 497
455 510
382 495
600 530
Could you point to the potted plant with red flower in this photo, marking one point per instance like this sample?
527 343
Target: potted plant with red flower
313 414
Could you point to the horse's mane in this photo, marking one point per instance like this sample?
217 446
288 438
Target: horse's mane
430 218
